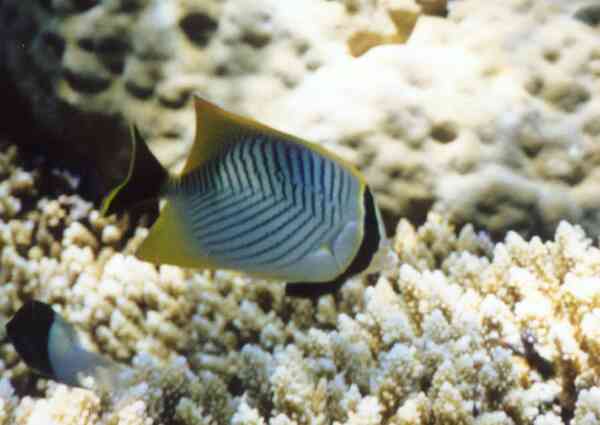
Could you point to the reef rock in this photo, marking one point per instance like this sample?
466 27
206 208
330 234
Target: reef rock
490 114
85 67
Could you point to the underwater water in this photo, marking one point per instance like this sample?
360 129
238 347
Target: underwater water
475 125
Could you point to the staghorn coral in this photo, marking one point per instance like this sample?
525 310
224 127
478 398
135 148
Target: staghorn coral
453 330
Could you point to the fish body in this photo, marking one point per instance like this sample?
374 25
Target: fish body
49 345
256 200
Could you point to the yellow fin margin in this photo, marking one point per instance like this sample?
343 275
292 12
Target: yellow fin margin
168 242
107 201
216 128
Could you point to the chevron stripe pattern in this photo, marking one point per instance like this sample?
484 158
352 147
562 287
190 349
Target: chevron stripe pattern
274 208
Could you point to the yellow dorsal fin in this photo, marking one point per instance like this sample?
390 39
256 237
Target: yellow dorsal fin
214 128
217 128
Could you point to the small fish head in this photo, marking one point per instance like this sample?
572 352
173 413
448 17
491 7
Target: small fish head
29 331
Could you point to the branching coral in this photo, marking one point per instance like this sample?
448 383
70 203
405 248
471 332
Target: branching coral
453 330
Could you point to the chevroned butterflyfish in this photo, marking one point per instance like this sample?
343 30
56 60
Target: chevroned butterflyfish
49 345
257 200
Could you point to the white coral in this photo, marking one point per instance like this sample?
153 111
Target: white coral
63 406
455 329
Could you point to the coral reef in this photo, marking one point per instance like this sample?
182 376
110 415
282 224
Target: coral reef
489 115
454 329
498 129
99 62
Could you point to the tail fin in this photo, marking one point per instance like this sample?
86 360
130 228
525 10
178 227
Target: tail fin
144 180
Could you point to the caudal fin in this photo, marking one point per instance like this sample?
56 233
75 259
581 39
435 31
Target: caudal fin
144 180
